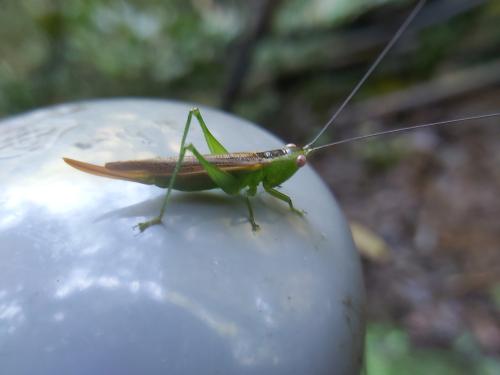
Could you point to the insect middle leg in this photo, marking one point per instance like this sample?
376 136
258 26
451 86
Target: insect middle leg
251 193
228 183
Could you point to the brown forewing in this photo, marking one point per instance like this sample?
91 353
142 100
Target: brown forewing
190 165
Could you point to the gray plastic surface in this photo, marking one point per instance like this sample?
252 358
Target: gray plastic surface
81 292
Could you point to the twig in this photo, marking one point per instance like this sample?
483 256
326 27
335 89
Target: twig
243 58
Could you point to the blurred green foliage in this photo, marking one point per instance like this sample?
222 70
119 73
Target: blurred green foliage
69 50
389 352
54 51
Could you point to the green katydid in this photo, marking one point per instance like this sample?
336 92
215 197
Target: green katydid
240 171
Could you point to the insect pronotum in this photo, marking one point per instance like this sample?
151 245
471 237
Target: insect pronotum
239 172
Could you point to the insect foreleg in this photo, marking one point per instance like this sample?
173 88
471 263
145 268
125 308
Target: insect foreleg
283 197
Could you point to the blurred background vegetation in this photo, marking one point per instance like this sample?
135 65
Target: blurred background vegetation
424 207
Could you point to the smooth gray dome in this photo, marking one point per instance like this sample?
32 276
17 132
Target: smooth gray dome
81 292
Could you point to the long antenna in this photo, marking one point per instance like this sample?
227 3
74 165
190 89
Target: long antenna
361 137
382 54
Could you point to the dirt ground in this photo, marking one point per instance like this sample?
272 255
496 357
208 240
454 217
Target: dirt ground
438 209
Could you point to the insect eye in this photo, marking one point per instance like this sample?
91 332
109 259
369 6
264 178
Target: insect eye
289 148
301 160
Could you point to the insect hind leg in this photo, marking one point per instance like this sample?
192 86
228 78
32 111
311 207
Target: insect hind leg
228 183
157 220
